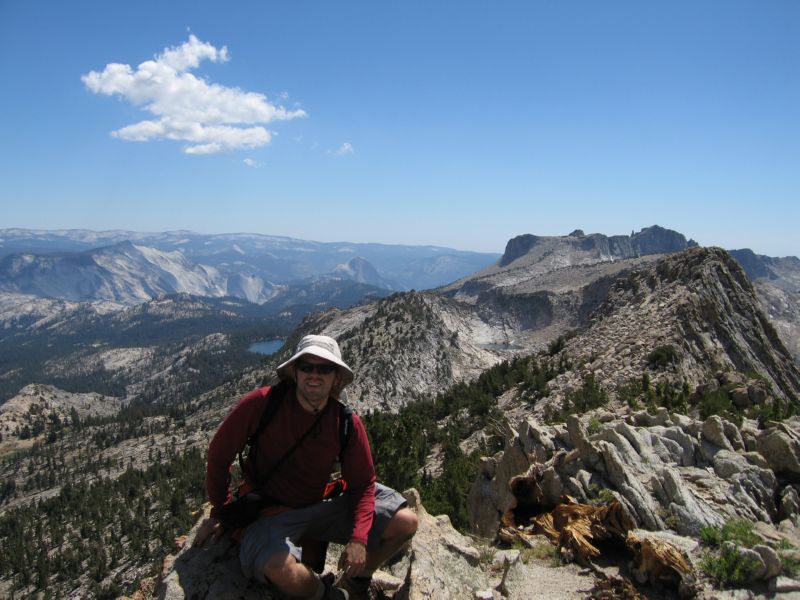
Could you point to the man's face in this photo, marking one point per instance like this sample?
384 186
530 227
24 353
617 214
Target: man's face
313 384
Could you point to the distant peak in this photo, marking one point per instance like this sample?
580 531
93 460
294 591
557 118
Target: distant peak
650 240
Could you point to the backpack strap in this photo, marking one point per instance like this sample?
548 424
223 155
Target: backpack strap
345 427
272 402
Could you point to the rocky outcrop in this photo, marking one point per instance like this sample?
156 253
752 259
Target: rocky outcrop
697 305
668 472
31 414
650 240
411 346
438 563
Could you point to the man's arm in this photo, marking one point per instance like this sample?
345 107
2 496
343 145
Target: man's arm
359 472
227 442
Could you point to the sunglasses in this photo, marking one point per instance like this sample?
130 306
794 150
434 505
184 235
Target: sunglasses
307 367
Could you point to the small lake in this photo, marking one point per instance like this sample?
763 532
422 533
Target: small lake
266 346
507 346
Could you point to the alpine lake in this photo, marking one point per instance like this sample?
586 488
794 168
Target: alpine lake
265 347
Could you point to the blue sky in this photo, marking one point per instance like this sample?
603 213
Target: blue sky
458 124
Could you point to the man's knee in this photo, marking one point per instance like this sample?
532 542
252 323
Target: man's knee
403 524
278 568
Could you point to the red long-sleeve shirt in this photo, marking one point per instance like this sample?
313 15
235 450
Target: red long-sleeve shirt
301 480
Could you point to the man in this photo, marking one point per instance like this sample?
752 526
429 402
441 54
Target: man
296 452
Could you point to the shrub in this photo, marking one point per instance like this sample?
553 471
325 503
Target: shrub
730 568
740 531
629 393
590 395
790 564
662 356
711 535
719 403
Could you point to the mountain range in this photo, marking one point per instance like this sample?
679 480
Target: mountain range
640 369
248 266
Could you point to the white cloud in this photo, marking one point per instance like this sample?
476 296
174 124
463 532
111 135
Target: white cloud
211 117
346 148
251 162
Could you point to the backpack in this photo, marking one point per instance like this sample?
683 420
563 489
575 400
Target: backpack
273 399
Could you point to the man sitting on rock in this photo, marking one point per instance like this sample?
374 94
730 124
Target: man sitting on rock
288 472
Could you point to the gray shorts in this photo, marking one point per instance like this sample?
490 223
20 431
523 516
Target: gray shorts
329 521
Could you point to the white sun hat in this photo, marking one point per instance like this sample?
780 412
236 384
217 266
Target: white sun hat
320 346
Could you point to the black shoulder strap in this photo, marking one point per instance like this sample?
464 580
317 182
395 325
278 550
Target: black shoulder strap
272 403
345 427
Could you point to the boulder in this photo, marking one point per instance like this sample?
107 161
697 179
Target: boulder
740 397
691 512
626 482
714 432
442 561
439 563
758 393
771 559
780 446
759 568
687 443
489 497
789 506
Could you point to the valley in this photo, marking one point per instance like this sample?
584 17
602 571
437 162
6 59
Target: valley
567 343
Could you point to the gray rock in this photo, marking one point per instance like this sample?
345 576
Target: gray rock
537 441
662 417
759 569
537 580
620 475
503 558
207 573
692 512
749 433
758 392
687 443
733 436
580 440
632 437
771 560
727 463
641 419
740 397
784 585
731 378
707 388
681 421
489 497
781 448
443 564
755 459
714 432
551 486
789 507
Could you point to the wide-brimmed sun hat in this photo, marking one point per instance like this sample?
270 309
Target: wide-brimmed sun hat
320 346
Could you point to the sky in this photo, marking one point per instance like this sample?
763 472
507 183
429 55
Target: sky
448 123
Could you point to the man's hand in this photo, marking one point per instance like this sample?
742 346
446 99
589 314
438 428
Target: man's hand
353 558
209 530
